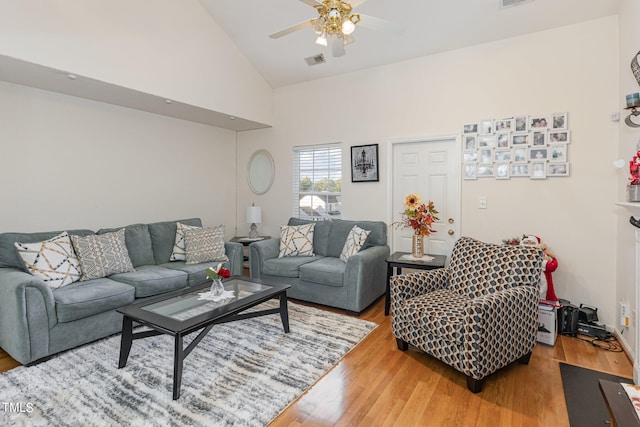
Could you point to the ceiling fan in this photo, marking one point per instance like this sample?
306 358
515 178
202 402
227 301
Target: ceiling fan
336 22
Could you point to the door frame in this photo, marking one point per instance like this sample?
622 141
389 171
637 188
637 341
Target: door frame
456 161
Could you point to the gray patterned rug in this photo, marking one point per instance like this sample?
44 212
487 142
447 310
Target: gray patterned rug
243 373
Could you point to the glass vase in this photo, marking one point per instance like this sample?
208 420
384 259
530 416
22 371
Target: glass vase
417 246
217 288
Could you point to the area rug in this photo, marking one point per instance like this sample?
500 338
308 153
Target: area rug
585 403
242 374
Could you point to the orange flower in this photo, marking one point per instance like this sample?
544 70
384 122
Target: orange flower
418 216
412 201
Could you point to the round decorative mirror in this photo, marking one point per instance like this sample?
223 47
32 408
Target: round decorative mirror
260 171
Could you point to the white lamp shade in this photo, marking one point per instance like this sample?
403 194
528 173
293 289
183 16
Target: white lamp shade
254 215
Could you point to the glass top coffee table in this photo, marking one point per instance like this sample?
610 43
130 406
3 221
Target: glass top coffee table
181 313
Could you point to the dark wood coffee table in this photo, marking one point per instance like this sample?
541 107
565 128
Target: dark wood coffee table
395 260
180 313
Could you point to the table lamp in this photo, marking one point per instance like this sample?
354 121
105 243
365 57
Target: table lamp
254 216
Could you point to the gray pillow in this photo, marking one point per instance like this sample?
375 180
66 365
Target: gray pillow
204 245
102 255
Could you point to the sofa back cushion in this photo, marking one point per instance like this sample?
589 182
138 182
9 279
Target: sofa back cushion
138 241
479 268
329 236
8 253
163 237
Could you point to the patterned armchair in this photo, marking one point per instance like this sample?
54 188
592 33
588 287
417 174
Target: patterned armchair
477 315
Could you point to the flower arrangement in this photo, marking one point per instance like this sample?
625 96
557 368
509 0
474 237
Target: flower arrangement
418 215
634 169
218 273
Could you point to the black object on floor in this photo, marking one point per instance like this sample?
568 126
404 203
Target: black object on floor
585 403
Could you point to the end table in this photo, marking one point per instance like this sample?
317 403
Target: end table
395 260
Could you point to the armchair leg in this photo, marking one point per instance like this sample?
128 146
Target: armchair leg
402 345
525 359
474 385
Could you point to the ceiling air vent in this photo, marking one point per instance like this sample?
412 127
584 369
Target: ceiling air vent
315 60
508 3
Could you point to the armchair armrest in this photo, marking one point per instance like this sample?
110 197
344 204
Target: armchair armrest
235 253
410 285
27 312
364 276
261 251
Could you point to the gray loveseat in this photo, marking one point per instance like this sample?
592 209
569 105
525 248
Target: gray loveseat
37 321
324 278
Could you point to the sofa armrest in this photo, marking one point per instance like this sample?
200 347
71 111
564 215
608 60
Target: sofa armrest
411 285
27 313
365 276
235 253
261 251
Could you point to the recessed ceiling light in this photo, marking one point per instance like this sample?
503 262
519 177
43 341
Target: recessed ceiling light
168 101
232 117
72 76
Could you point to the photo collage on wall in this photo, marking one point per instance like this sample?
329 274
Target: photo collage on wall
532 147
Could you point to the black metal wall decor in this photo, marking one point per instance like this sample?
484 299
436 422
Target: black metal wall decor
364 163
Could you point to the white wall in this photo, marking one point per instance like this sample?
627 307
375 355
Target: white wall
571 69
173 49
67 162
629 137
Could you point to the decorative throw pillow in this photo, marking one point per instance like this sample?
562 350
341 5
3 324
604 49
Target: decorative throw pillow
355 241
54 260
204 245
102 255
296 240
179 253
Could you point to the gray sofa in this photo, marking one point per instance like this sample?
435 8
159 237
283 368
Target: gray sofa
37 321
324 278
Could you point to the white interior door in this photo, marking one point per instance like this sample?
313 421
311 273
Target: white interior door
431 168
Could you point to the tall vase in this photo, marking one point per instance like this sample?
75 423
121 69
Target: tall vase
417 246
217 288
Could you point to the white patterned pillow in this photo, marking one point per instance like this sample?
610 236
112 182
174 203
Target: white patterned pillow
179 253
102 255
54 260
296 240
204 245
355 241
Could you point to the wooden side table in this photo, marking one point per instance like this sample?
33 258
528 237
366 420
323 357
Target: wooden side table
395 260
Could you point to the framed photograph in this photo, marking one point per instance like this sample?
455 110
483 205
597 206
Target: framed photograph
470 128
364 163
501 170
485 171
558 153
558 169
504 125
538 138
485 141
470 157
538 170
502 140
485 156
520 170
501 155
470 141
559 121
562 136
538 154
520 124
486 126
519 155
519 139
470 171
538 122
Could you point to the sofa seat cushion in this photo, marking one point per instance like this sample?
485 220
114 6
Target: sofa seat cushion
151 280
197 272
326 271
441 313
83 299
287 266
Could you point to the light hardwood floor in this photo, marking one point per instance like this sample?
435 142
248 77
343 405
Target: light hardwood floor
378 385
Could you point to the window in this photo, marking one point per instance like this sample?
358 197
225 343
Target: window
317 181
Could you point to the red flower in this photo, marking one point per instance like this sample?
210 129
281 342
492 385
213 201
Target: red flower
224 273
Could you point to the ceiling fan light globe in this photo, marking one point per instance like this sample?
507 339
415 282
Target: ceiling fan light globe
321 40
348 27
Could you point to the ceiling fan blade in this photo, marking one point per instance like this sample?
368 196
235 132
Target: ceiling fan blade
312 3
337 47
291 29
379 24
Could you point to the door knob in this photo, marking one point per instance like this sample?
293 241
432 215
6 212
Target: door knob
451 232
451 221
